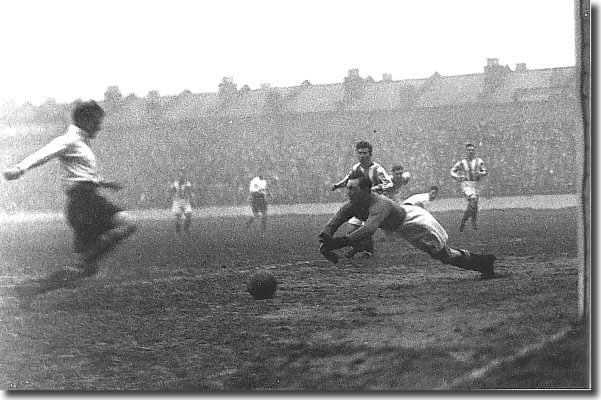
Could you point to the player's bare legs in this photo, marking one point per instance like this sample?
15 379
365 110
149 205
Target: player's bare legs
187 222
466 215
178 224
475 216
123 227
263 223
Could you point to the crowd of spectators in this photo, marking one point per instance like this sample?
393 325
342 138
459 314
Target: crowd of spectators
528 151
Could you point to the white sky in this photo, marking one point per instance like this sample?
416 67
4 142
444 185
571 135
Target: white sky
65 49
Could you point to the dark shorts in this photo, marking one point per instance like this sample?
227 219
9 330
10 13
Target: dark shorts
89 214
258 203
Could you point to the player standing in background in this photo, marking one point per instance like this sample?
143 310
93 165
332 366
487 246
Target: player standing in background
98 224
400 178
380 182
422 199
181 196
257 198
413 223
468 172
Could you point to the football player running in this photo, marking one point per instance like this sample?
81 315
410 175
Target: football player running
98 225
412 223
380 182
468 172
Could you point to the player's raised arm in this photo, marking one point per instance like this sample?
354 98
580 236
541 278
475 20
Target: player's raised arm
40 157
455 171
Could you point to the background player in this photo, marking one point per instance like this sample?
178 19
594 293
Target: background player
181 196
468 172
422 199
257 198
413 223
97 224
380 182
400 178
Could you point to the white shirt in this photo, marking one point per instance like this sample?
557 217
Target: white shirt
420 200
257 185
77 160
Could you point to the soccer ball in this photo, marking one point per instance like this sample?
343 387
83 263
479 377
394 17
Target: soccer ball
406 176
261 286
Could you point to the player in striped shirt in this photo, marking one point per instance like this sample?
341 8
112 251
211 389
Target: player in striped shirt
468 172
181 196
98 225
380 183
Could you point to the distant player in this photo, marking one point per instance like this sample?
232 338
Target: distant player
181 196
412 223
422 199
400 178
468 172
257 197
98 225
380 182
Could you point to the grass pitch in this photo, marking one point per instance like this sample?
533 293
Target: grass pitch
172 314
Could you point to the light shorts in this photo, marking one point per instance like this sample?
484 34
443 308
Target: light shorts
469 189
181 207
422 230
355 221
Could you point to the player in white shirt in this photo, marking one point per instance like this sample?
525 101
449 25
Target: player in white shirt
181 197
98 224
381 182
468 172
257 197
422 199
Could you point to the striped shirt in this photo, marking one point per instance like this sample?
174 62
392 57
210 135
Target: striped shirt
77 160
472 169
375 172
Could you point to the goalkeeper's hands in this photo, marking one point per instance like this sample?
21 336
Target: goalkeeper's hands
329 243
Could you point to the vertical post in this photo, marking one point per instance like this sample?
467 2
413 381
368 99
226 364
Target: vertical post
582 27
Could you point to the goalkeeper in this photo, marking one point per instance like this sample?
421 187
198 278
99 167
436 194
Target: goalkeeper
412 223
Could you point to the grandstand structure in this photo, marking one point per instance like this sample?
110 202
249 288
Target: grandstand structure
528 125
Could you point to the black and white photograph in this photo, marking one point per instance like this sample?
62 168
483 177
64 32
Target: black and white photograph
296 197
